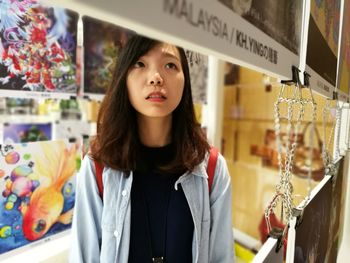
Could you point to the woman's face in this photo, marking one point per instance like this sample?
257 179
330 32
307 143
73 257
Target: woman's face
156 81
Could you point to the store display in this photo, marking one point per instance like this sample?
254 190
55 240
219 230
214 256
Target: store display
38 50
37 183
26 132
38 59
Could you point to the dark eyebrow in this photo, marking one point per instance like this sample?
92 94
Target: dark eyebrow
166 55
169 55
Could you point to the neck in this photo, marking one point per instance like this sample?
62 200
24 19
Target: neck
154 132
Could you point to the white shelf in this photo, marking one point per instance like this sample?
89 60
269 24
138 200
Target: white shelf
54 249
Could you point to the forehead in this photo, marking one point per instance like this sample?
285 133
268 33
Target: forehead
164 49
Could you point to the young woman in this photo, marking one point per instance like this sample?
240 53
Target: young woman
156 205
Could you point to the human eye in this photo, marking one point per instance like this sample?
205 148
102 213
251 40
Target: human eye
171 65
139 64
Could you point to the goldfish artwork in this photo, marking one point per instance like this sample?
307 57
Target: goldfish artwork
37 181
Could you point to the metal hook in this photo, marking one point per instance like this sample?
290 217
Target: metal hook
295 78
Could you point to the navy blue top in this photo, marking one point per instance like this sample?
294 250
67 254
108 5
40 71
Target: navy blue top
168 231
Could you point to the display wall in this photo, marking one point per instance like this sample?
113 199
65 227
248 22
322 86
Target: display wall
268 36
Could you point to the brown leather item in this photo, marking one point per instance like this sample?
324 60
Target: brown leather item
301 164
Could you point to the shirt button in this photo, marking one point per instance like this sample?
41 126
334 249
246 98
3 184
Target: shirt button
124 193
116 233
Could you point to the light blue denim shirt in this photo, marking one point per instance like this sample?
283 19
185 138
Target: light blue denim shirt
101 231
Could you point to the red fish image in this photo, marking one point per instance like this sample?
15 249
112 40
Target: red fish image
55 167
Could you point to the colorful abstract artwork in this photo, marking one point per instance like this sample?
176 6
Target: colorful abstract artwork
27 132
102 44
37 182
37 47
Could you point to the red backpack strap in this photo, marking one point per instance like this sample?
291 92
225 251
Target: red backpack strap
98 174
213 157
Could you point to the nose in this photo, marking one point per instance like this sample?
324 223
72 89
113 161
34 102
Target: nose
156 79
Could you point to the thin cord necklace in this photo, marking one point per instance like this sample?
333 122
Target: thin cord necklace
159 259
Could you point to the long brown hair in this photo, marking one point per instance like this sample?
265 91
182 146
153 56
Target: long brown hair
117 142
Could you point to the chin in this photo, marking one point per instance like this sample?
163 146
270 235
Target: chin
155 115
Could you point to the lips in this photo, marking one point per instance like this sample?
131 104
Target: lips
157 96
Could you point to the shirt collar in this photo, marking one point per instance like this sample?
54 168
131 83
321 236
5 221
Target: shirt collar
199 170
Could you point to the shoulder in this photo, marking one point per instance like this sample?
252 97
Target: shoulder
222 179
221 170
87 169
88 162
221 161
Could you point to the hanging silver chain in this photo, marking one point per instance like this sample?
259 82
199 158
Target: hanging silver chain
284 189
328 159
347 129
326 155
312 133
338 112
